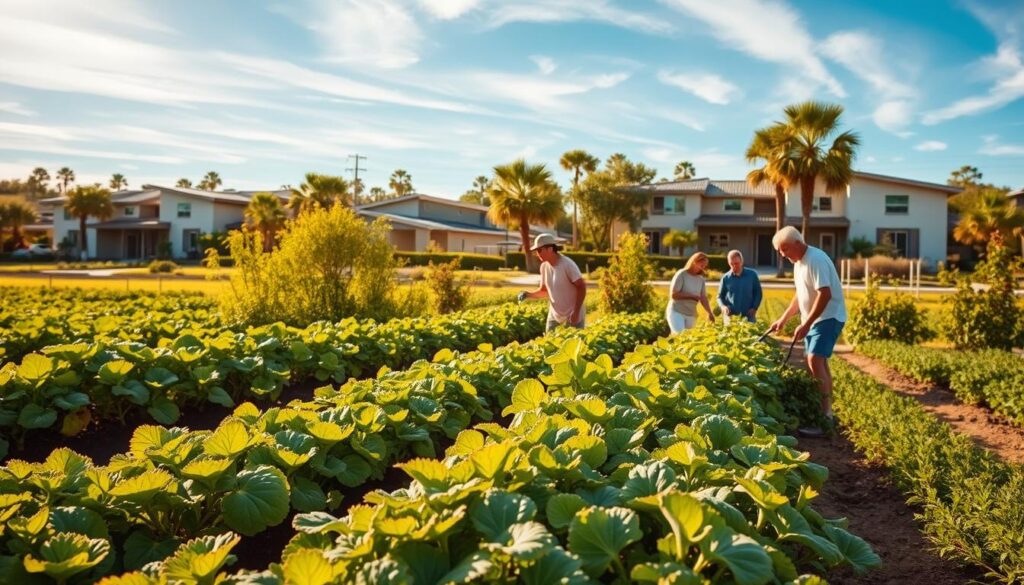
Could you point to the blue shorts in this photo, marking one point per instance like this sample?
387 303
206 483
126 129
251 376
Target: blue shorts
822 337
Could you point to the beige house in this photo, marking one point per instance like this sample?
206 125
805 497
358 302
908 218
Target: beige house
453 226
910 214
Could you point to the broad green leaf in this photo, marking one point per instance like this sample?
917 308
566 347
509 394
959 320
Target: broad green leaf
598 536
491 460
524 542
34 416
159 378
318 522
75 422
198 560
207 470
720 430
230 439
468 442
136 391
164 411
140 550
747 560
218 395
498 510
78 520
685 517
763 494
328 433
557 566
528 395
113 372
148 437
426 562
260 500
356 472
71 401
593 449
673 573
562 508
35 368
857 552
648 480
66 555
142 488
307 496
383 571
309 567
471 568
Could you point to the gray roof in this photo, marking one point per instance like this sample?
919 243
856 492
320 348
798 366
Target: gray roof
710 188
441 200
912 182
1016 193
767 221
149 192
431 224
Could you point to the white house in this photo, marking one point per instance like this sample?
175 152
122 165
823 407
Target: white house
146 218
911 214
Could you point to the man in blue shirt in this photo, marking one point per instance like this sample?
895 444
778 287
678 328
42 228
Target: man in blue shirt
739 293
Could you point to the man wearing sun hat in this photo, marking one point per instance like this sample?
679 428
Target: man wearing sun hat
561 282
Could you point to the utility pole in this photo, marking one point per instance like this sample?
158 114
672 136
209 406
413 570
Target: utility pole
355 183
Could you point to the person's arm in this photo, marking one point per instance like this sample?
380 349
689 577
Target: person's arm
791 310
820 302
581 297
703 296
726 309
539 293
756 303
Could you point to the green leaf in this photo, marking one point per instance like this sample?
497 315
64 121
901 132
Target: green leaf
160 378
113 372
34 416
230 439
356 472
747 560
260 500
524 542
71 401
491 460
498 510
562 508
857 552
140 550
164 411
35 368
142 488
426 562
648 480
218 395
134 390
66 555
207 470
475 566
673 573
598 535
307 496
317 523
78 520
557 566
685 516
199 560
720 430
528 395
383 571
309 567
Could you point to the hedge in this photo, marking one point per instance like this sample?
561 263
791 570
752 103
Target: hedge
591 260
469 261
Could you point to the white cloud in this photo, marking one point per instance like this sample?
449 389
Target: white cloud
1008 70
931 146
546 64
123 17
707 86
551 11
16 108
448 9
992 147
678 117
531 91
769 30
894 116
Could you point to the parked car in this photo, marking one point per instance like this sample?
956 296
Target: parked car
33 251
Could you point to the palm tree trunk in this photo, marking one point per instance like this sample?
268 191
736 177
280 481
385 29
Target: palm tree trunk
806 200
780 222
575 194
532 265
84 252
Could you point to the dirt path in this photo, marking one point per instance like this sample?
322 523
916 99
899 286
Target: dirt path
989 432
877 511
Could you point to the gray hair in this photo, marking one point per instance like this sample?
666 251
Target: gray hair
787 235
734 253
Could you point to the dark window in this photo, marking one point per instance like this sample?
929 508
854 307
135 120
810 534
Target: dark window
825 204
732 205
184 210
897 204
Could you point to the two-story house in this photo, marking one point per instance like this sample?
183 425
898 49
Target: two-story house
453 226
909 214
144 219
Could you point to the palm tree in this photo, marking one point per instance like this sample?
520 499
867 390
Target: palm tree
211 181
15 215
769 145
38 181
319 191
266 214
401 183
813 153
985 213
65 175
378 194
118 182
681 239
85 201
357 189
685 170
576 161
183 182
522 193
481 184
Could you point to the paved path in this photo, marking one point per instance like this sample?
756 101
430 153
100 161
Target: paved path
104 272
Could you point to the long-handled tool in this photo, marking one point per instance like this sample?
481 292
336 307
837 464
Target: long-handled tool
789 353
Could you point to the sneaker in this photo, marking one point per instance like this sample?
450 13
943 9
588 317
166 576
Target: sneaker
811 432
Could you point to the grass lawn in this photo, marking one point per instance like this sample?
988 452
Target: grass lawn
211 287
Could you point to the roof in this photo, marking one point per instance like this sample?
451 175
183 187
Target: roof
910 182
430 224
153 192
1016 193
710 188
215 196
767 221
441 200
131 224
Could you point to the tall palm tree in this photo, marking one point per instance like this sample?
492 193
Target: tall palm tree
522 193
378 194
15 215
118 182
577 161
266 214
816 151
985 213
680 239
769 147
401 183
39 181
358 186
211 181
86 201
65 175
685 170
481 184
319 191
183 182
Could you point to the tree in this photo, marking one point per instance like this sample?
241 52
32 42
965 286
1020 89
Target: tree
680 239
770 147
401 183
357 189
577 161
86 201
38 182
266 215
118 182
521 194
210 181
965 177
15 215
985 213
625 284
183 182
605 199
813 153
478 194
322 191
66 176
685 170
627 172
378 194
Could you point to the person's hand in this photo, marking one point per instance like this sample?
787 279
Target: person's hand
711 318
777 326
801 331
726 311
521 296
752 314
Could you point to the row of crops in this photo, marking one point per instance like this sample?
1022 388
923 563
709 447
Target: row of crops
993 378
668 467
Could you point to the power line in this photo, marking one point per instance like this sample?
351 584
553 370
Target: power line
355 182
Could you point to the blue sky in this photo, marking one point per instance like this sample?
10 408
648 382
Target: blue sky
263 91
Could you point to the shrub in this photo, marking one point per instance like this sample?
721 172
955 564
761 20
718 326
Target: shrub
990 316
162 267
590 261
329 264
881 266
878 316
468 261
449 292
624 283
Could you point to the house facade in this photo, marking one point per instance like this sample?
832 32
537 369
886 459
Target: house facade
910 215
147 220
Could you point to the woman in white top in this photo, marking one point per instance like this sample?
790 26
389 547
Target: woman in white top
687 289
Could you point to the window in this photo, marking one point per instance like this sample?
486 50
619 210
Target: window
190 240
73 238
653 242
825 204
899 240
732 205
129 212
764 207
185 210
67 214
897 204
718 240
668 206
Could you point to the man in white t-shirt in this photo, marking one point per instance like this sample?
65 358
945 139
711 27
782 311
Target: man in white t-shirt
819 300
561 282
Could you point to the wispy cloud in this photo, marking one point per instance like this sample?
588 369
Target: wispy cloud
546 64
931 146
707 86
551 11
769 30
448 9
16 108
992 147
